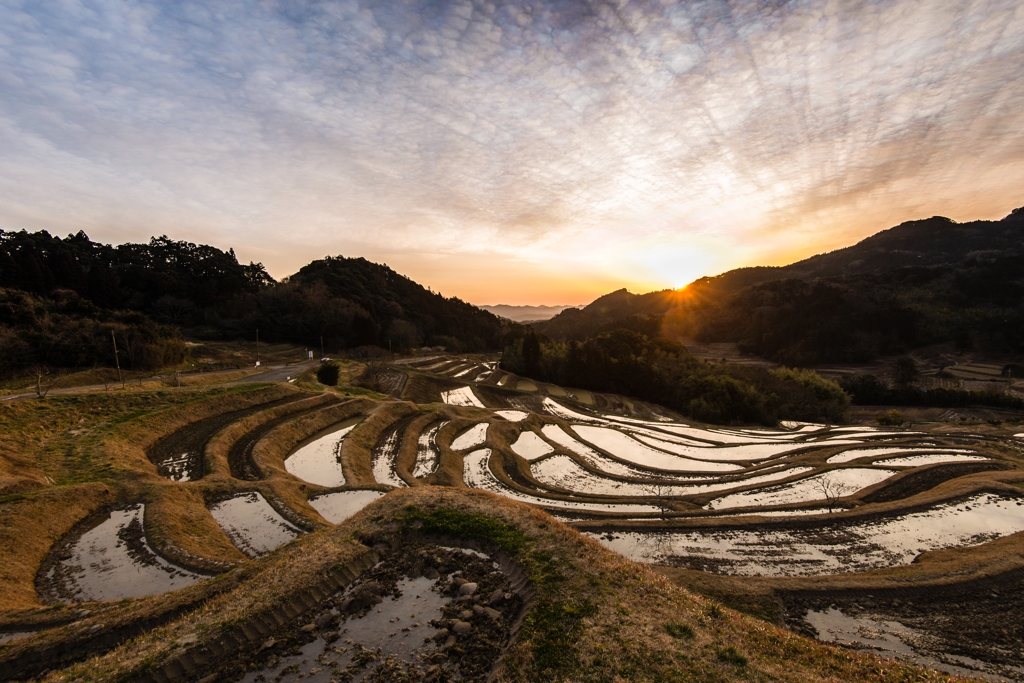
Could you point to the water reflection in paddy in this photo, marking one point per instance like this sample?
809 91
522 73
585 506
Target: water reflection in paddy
317 460
252 524
828 548
339 506
113 560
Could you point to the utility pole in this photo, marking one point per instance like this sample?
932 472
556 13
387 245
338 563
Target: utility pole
321 346
257 346
117 360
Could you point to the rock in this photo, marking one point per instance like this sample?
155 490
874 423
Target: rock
324 619
441 635
496 597
308 628
491 614
96 628
448 643
371 587
462 628
431 573
209 679
468 588
267 644
466 615
382 548
432 673
458 582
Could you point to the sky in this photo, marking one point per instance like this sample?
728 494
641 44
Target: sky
517 153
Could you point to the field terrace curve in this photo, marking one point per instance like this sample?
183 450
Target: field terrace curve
853 505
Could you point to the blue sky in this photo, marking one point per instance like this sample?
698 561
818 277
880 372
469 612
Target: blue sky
530 152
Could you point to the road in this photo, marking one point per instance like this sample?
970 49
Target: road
274 373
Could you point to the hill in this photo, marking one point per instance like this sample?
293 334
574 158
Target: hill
918 283
63 298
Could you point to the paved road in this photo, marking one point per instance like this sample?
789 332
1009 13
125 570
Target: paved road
274 373
279 373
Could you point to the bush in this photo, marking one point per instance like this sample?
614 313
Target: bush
329 374
893 418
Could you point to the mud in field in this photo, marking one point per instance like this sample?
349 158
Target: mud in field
179 455
425 613
385 453
971 629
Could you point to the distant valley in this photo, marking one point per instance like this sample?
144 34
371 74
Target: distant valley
523 314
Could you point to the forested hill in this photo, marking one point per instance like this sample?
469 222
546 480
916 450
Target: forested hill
918 283
60 299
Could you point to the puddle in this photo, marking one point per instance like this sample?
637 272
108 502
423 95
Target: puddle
400 623
887 638
179 468
428 455
471 438
513 415
838 547
833 484
477 474
339 506
462 397
529 446
252 524
113 560
318 458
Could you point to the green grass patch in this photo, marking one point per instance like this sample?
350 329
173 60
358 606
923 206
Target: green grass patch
554 628
470 525
679 631
730 655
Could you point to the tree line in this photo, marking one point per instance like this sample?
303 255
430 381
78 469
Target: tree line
62 298
662 371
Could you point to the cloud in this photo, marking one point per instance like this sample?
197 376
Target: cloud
563 128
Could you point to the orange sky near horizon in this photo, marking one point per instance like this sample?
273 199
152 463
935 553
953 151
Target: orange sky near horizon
526 152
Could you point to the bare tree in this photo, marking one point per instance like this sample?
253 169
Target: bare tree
833 490
661 492
46 378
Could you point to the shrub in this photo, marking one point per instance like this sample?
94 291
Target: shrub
328 374
893 418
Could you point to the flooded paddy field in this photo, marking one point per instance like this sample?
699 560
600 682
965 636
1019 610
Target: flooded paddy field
829 547
338 506
317 460
179 455
252 524
110 559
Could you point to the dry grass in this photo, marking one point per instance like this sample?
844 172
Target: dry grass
595 616
29 528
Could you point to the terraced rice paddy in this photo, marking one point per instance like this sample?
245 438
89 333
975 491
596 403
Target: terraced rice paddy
797 500
113 560
832 548
339 506
252 524
317 460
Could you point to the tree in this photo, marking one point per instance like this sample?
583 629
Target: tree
905 372
832 489
328 374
